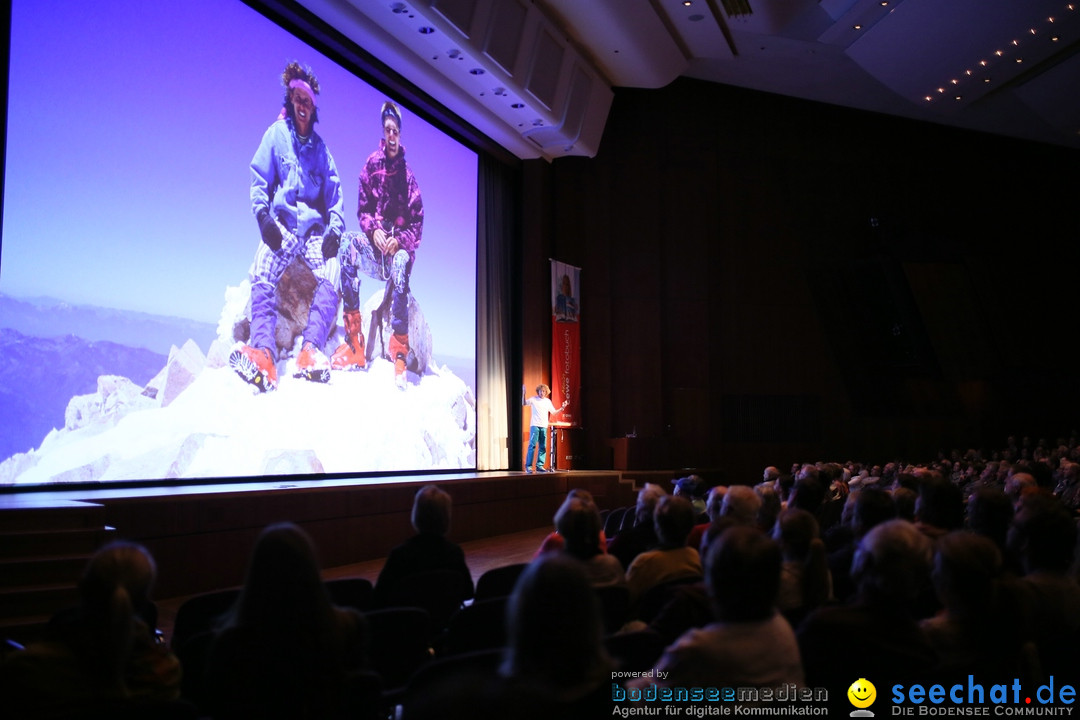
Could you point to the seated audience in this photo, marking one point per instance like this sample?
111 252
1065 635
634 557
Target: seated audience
939 507
672 559
741 505
980 628
990 514
105 657
427 550
891 567
749 644
805 582
770 506
714 501
693 488
578 523
555 657
870 506
642 536
1043 536
554 541
285 651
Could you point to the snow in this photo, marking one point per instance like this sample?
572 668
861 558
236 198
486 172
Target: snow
221 427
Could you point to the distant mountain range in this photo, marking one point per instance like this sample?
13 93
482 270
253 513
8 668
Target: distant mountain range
51 351
38 376
48 317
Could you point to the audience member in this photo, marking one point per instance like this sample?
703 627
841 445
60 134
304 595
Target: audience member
427 550
578 523
990 513
1044 536
714 502
770 506
693 488
805 582
740 506
891 568
555 657
642 536
904 498
103 658
672 559
939 507
870 506
981 626
285 651
554 541
749 643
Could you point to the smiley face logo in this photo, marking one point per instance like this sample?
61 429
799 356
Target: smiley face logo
862 693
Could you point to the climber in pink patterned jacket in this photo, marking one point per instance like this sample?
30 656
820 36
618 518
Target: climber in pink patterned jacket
391 215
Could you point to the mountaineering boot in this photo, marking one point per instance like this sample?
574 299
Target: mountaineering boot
350 354
254 365
312 364
399 353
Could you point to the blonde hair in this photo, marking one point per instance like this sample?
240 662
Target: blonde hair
542 386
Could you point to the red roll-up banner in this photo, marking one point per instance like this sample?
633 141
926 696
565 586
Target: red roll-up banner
566 341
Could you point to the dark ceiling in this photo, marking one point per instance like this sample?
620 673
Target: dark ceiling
536 76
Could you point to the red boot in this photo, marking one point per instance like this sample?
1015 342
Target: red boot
254 365
351 354
399 353
312 364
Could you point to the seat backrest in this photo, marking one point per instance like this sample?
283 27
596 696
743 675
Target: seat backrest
480 626
654 599
200 613
614 605
613 522
354 592
635 651
400 642
431 682
498 581
439 592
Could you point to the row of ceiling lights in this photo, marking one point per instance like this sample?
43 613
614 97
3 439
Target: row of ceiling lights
1053 37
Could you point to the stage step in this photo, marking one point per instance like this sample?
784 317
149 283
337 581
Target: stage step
44 548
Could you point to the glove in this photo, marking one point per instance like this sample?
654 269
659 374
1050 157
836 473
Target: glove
330 243
271 233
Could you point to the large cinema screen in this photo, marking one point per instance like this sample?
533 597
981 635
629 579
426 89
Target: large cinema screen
172 218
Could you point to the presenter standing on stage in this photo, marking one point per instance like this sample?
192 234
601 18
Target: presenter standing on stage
541 408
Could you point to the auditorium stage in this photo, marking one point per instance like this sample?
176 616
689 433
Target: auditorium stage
201 534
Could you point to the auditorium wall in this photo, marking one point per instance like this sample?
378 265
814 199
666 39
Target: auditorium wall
768 280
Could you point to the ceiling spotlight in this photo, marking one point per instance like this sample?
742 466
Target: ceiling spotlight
856 27
518 106
687 3
426 30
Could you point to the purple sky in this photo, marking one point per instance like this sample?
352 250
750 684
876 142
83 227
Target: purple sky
131 127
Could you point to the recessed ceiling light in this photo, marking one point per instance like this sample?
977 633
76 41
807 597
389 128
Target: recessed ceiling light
477 71
426 30
518 106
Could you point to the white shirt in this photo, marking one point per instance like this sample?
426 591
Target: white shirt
541 407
